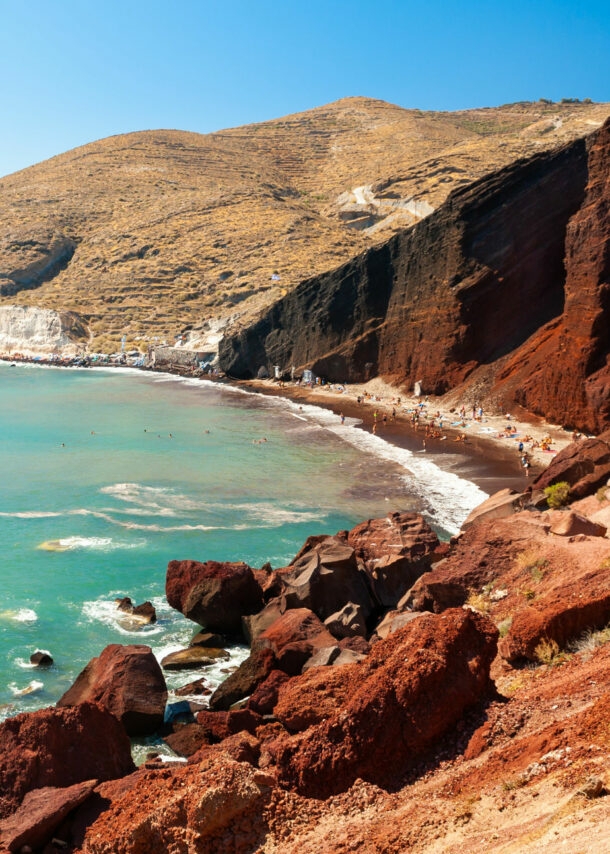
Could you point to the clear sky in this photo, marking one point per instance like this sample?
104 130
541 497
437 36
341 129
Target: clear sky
73 71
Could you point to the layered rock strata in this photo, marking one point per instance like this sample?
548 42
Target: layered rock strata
509 277
439 299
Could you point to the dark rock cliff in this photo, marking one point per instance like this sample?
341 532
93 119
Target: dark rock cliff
330 323
511 275
477 278
465 286
563 372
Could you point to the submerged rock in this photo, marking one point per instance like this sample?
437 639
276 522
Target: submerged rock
41 658
193 656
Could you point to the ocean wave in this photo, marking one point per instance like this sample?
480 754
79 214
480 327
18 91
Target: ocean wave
103 544
33 687
274 516
214 674
32 514
447 498
153 498
26 664
106 611
19 615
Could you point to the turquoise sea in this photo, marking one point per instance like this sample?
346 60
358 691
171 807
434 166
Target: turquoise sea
109 474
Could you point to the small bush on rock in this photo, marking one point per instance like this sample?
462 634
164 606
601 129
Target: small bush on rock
546 651
557 494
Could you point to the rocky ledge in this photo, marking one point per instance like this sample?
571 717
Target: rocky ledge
388 672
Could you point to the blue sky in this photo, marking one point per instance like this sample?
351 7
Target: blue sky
75 71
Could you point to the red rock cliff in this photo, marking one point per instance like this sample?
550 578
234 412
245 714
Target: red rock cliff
563 372
511 275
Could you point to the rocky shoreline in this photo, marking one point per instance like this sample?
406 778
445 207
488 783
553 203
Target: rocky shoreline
385 669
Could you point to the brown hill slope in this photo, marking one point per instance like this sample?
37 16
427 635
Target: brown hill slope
157 233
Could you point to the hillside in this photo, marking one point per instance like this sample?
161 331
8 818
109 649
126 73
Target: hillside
161 233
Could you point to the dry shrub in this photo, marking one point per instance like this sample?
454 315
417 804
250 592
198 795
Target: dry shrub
547 651
478 602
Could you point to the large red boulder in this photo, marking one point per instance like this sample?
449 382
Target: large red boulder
325 578
584 465
315 696
59 747
296 626
395 551
413 687
42 811
128 681
214 595
216 805
243 681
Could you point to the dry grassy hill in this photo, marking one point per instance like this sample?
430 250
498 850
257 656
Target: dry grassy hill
158 233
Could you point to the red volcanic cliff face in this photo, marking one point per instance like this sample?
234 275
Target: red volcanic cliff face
563 372
483 273
511 274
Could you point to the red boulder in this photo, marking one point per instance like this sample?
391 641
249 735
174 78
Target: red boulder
325 578
59 747
413 687
243 681
214 595
42 811
395 551
126 680
585 465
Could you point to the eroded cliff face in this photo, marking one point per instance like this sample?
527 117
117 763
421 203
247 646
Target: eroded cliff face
466 286
563 372
331 322
511 276
39 331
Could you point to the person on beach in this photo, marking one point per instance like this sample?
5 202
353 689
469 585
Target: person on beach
374 428
342 418
526 465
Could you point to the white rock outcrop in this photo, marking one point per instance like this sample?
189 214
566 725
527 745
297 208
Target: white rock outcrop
34 332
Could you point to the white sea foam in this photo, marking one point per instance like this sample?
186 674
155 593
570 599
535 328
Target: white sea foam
32 514
258 514
213 674
157 499
102 544
447 498
34 686
19 615
106 611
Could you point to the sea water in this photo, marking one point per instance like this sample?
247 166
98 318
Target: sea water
109 474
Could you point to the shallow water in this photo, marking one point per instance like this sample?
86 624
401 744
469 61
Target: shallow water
109 474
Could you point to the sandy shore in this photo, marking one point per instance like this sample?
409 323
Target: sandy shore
489 442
